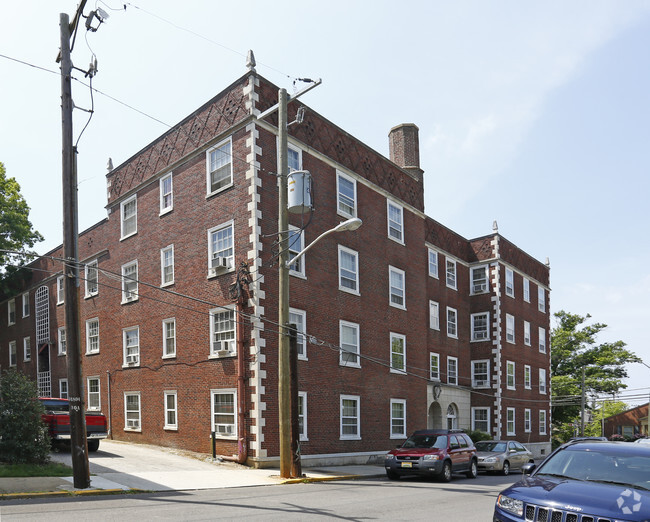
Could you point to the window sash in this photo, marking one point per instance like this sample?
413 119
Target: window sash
480 327
510 282
349 417
298 318
171 411
166 196
396 287
434 315
92 329
510 374
481 374
348 270
296 241
92 278
452 370
220 167
480 419
223 330
346 196
223 413
398 419
129 217
167 262
452 330
221 242
94 399
169 332
395 222
398 353
349 344
479 280
451 273
433 263
434 366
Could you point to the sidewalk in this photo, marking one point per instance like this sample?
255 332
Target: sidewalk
118 467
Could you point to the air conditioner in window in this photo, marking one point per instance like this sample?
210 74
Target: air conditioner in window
219 264
479 383
480 335
132 423
131 359
130 296
224 429
478 288
223 348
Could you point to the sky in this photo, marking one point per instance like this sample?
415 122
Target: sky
533 114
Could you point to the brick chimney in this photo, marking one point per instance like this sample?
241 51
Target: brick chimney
404 146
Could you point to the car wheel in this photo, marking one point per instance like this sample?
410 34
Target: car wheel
392 475
445 476
472 472
506 468
93 445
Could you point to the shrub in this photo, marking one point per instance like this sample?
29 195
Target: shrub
477 436
618 437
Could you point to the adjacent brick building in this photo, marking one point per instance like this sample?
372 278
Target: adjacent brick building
404 323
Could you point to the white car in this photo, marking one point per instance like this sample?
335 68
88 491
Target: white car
643 441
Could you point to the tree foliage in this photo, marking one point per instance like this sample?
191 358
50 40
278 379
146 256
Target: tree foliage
23 435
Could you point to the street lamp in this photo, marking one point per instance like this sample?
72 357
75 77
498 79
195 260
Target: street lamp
343 226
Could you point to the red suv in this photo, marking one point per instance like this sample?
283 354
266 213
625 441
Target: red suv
433 453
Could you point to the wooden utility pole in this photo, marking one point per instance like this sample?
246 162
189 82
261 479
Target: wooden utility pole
296 464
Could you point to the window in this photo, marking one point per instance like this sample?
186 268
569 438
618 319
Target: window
510 421
510 328
299 318
451 274
169 338
129 214
452 327
61 341
222 333
221 252
527 427
348 270
542 381
433 263
397 283
167 266
294 158
27 349
542 340
397 418
481 374
510 375
397 353
171 411
92 336
350 422
296 244
527 377
542 422
132 411
479 279
130 282
60 293
219 166
481 419
26 304
92 278
224 420
395 222
510 282
434 366
434 315
63 388
302 415
541 299
166 194
526 289
346 188
526 333
480 326
131 346
13 357
94 399
349 339
452 370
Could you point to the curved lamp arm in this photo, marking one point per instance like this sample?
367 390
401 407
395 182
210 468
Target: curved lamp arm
350 224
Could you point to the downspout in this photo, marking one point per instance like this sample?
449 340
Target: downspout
110 426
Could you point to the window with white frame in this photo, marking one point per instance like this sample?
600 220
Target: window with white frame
526 333
510 375
350 417
541 299
11 312
433 263
167 266
13 356
131 346
294 158
129 215
26 304
132 411
302 415
349 340
221 252
527 376
395 221
542 381
481 419
479 276
510 328
434 366
452 322
219 167
224 418
510 282
61 342
130 282
452 370
480 326
92 278
451 273
510 421
166 194
397 418
526 283
296 241
92 336
171 410
542 422
63 388
169 338
434 315
542 340
27 349
60 291
481 374
222 332
348 270
299 318
397 284
527 424
346 188
94 396
397 353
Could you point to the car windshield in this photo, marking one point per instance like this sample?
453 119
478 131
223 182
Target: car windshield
491 445
55 406
426 441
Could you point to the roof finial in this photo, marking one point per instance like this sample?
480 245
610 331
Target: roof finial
109 165
250 61
495 227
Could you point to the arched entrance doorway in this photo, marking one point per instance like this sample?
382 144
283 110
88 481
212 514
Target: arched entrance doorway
434 420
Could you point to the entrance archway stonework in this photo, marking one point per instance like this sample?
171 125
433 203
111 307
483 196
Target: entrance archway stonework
458 398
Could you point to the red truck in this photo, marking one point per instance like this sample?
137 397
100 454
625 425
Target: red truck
58 421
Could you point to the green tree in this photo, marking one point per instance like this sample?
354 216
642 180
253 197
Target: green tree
606 409
16 233
23 435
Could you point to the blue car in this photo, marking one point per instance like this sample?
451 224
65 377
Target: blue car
582 482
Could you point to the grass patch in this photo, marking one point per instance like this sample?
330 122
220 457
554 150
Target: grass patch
51 469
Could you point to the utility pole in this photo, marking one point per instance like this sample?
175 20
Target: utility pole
582 405
296 464
78 442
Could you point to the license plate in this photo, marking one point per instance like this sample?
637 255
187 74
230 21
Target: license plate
407 464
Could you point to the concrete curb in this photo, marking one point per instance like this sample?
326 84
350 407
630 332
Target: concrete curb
76 493
327 479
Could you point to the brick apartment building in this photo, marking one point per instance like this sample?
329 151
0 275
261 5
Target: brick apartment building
405 324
